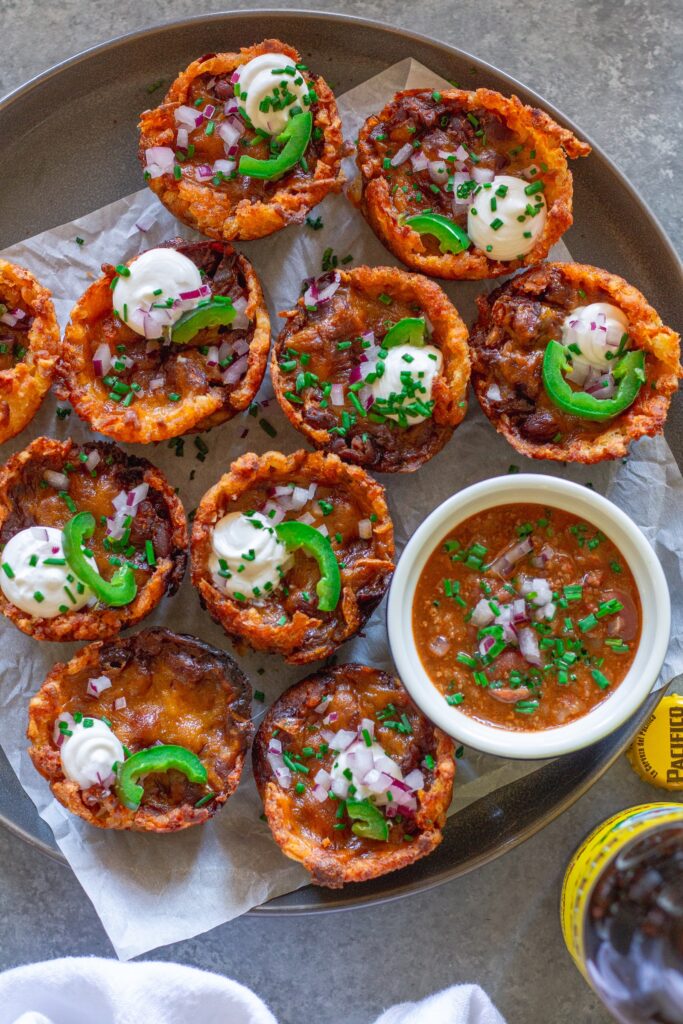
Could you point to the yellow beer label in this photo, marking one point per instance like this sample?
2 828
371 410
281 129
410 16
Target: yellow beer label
593 856
657 751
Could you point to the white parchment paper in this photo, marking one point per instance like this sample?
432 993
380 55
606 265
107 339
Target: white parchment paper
152 890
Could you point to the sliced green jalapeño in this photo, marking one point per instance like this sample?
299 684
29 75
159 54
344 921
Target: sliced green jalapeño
162 758
408 331
295 137
218 312
450 236
296 535
369 822
120 589
629 371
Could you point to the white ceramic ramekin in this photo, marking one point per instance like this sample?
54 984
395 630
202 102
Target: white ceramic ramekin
649 577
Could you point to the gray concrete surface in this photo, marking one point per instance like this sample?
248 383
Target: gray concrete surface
612 68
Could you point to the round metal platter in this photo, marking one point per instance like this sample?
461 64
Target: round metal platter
79 118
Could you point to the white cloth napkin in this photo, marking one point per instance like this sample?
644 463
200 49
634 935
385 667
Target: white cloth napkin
89 990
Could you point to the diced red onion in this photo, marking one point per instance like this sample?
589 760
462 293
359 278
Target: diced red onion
322 289
9 319
159 160
236 370
543 557
482 614
152 328
322 778
138 494
157 382
439 645
224 166
402 155
278 513
145 220
208 111
438 172
546 612
365 529
538 586
343 738
93 460
461 153
528 645
340 787
231 105
182 138
519 611
299 497
603 387
493 394
204 171
366 397
68 719
231 131
415 779
320 794
185 116
530 172
241 321
101 360
337 394
278 766
360 759
306 518
419 161
485 644
483 174
120 703
59 481
212 356
39 532
367 725
505 562
97 686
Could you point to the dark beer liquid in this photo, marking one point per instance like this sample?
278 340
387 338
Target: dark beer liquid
634 930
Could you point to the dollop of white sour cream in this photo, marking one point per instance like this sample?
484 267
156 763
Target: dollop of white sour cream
423 363
511 237
43 590
247 559
597 330
257 81
155 277
88 755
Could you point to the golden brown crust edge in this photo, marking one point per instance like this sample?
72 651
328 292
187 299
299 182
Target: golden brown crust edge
46 705
552 143
647 415
23 388
78 378
89 624
450 334
326 868
202 208
295 641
